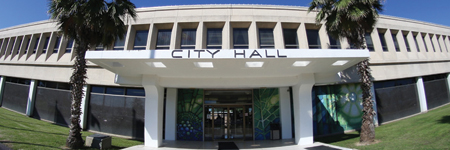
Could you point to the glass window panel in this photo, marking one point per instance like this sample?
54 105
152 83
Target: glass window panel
313 39
47 39
12 46
69 45
26 46
188 38
119 43
18 47
334 44
417 44
163 39
51 85
369 42
240 38
266 38
36 45
290 38
383 42
98 89
64 86
58 40
99 47
115 90
408 48
140 40
214 39
425 43
42 83
135 92
394 38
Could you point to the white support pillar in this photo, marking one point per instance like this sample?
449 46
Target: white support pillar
154 104
2 88
421 94
285 113
31 97
171 113
303 113
448 85
85 106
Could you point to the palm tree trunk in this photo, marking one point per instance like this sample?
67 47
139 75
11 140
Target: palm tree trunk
77 80
367 134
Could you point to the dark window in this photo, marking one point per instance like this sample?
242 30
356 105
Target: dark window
12 46
135 92
266 38
64 86
445 43
26 46
369 42
18 80
432 44
392 83
394 38
240 38
97 89
115 90
434 77
99 47
69 45
417 44
163 39
46 45
334 43
18 47
313 39
57 42
1 43
439 43
425 43
188 38
140 40
119 43
290 38
383 42
405 37
214 39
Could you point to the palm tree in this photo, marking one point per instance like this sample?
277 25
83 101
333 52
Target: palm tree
351 19
89 22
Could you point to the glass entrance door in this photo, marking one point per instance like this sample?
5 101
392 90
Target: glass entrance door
229 122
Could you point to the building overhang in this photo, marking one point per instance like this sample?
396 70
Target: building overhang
225 64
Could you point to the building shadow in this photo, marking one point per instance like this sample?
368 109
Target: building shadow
444 119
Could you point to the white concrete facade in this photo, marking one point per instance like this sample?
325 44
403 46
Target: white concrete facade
138 68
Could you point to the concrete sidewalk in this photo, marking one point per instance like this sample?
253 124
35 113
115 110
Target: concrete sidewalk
287 144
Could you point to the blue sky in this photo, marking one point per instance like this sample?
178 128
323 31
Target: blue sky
16 12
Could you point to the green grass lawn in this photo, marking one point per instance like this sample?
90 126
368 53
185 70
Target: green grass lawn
18 131
425 131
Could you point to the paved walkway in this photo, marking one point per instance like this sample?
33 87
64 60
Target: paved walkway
288 144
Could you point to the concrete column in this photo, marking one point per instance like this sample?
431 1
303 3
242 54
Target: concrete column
253 36
31 97
2 88
129 38
285 113
227 36
200 39
85 106
448 87
421 94
303 112
171 116
154 95
302 37
278 36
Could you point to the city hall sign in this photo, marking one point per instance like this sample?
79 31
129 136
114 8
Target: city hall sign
228 53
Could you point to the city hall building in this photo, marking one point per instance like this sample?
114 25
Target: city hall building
226 72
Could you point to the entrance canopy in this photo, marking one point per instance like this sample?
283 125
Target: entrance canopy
284 65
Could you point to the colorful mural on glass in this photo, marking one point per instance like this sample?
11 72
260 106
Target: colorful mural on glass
267 110
336 108
189 114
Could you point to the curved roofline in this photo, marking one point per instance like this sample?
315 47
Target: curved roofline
233 6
